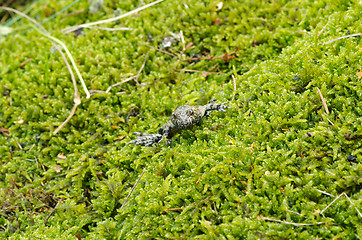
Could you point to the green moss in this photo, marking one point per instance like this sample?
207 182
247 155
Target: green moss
271 155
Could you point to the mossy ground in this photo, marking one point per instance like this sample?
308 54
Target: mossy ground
270 156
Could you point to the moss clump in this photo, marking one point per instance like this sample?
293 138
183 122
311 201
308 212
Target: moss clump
270 156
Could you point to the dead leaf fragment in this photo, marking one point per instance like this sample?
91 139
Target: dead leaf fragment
225 57
58 168
20 121
323 101
4 130
61 156
78 236
25 62
359 74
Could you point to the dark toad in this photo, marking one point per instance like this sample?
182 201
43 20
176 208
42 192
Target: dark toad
184 117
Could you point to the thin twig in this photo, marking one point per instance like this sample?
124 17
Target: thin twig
68 118
359 213
74 28
197 71
213 67
25 209
139 72
225 57
325 193
37 164
14 19
44 32
119 83
20 147
92 92
342 194
348 36
51 213
296 213
330 121
164 51
111 29
77 100
31 148
187 47
75 13
126 80
25 62
134 186
321 212
61 11
290 223
323 101
73 63
172 209
38 27
5 17
174 53
320 32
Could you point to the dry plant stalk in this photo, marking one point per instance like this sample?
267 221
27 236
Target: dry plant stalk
339 38
289 223
112 29
342 194
323 192
226 57
119 83
43 31
164 51
321 212
323 101
320 32
76 103
196 71
134 186
135 78
74 28
172 209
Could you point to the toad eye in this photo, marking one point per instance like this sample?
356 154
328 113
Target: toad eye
190 112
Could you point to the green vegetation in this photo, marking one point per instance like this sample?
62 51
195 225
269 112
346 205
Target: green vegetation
269 158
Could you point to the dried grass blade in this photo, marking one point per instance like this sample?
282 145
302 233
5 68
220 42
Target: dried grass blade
290 223
68 118
323 101
74 28
348 36
134 186
342 194
44 32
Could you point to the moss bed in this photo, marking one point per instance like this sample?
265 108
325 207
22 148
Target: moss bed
266 169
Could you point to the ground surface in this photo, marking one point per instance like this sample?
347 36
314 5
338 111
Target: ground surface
276 159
